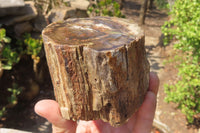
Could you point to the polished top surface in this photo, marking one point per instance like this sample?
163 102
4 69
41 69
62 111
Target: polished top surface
100 33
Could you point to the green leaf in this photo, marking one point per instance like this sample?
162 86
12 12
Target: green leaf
97 11
6 39
7 67
2 33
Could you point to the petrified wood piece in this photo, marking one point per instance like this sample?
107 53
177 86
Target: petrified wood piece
98 68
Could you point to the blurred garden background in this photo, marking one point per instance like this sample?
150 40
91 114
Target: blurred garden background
172 41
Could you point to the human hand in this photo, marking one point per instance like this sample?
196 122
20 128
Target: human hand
140 122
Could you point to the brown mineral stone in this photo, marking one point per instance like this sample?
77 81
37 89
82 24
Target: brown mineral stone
98 67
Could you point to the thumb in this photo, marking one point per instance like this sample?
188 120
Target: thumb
50 110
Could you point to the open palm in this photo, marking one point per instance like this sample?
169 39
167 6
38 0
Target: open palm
140 122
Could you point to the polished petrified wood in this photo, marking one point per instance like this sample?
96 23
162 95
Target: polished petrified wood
98 68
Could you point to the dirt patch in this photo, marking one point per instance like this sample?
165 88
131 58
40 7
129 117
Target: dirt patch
22 116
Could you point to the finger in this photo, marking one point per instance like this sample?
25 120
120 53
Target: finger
50 110
154 83
153 87
145 114
88 127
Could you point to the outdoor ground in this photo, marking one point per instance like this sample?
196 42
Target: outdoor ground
166 113
23 117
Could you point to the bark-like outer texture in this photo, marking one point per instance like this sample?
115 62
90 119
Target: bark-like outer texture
98 67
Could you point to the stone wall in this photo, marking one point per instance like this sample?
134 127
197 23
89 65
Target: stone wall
28 18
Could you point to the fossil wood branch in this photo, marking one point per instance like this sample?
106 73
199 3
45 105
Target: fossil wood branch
98 67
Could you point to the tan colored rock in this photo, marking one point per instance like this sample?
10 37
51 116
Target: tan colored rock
61 14
40 22
80 4
98 67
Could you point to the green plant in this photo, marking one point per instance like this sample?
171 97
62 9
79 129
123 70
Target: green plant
186 92
12 99
3 37
8 55
15 91
106 8
2 111
33 48
184 27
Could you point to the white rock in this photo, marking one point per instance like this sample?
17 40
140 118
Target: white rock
7 130
11 3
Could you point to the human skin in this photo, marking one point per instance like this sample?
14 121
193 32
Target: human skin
140 122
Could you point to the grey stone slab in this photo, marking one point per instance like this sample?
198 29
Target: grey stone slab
29 11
